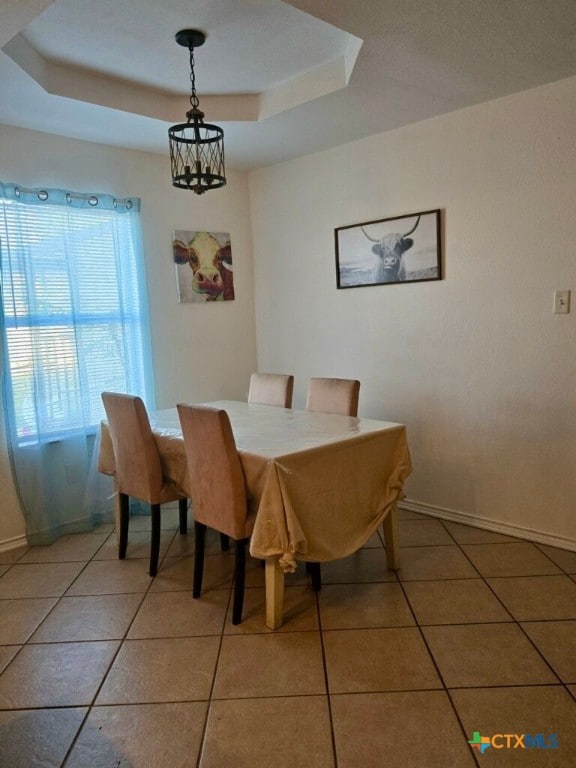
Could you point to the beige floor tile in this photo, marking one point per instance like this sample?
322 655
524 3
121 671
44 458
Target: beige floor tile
300 612
255 574
171 516
509 560
169 519
422 563
423 533
7 653
533 710
90 617
178 614
138 546
183 546
537 597
361 660
176 573
378 667
140 736
19 618
465 534
349 606
281 664
38 738
470 655
103 528
406 514
108 577
279 732
55 675
366 565
143 522
556 641
562 557
416 729
11 556
38 580
154 671
454 602
81 546
374 542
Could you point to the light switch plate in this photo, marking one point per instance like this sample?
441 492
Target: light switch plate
561 302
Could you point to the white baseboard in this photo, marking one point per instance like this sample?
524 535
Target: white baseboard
540 537
14 543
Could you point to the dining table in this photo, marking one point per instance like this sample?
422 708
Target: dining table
321 484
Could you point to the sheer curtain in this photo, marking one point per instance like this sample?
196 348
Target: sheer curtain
74 322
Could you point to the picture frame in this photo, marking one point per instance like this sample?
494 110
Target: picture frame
203 263
397 249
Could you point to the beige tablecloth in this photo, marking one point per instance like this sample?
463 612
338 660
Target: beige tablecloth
321 483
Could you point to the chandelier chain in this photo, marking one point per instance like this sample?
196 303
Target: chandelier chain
194 101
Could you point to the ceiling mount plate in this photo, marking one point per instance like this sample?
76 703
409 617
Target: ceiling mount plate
190 38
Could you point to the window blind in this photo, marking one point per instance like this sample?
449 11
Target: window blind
73 314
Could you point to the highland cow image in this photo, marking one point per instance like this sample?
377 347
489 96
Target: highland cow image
405 249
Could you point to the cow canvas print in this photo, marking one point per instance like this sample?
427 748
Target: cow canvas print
203 262
403 249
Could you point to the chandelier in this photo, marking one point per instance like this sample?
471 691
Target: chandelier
196 147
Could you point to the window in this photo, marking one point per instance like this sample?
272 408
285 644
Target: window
75 318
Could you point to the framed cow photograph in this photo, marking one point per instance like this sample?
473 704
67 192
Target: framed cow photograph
403 249
203 262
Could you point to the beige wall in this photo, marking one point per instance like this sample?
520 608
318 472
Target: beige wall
477 365
200 352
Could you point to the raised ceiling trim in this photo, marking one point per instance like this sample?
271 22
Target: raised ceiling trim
134 98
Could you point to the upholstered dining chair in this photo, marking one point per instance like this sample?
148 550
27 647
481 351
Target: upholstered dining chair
218 491
333 396
271 389
138 470
330 396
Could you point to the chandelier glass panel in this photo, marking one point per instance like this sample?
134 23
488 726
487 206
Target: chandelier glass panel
196 147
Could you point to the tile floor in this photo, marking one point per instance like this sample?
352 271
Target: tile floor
103 667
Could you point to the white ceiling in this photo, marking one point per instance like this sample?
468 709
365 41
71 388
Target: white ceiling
282 78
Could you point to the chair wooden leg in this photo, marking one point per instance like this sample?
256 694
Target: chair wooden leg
224 542
183 509
155 542
314 570
199 538
239 579
124 503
